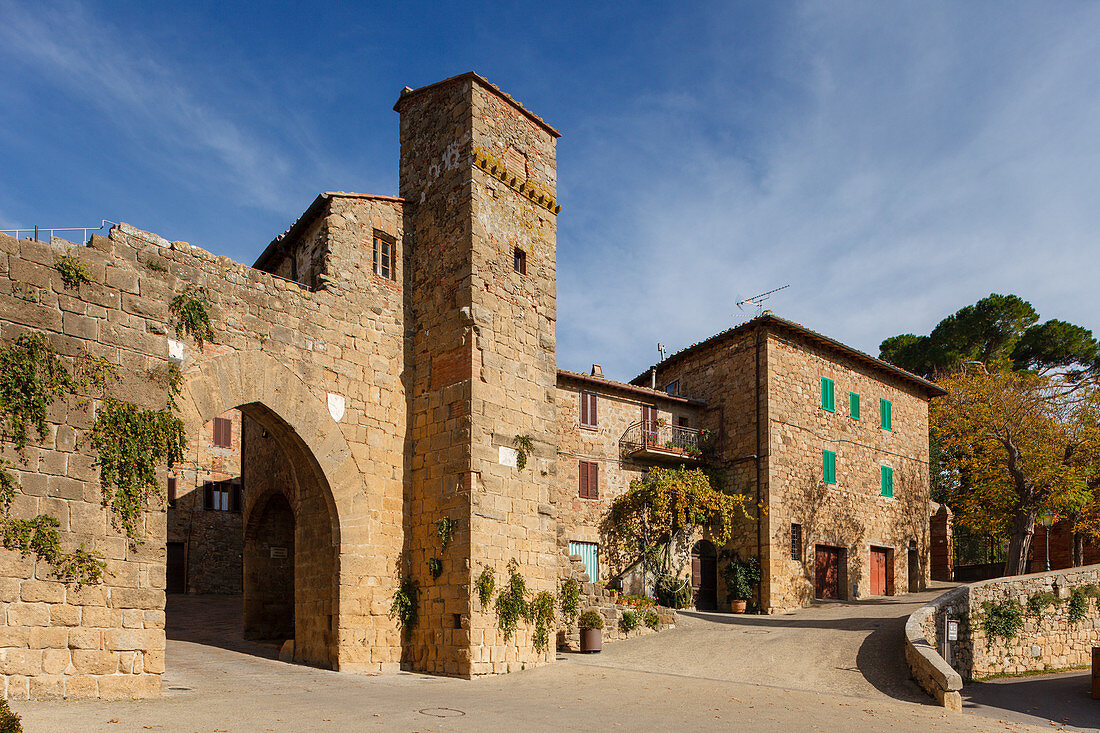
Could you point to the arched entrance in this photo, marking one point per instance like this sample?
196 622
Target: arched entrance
704 576
269 571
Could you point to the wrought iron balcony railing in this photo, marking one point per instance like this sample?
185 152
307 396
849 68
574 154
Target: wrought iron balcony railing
659 441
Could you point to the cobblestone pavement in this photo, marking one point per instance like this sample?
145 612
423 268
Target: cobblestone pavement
828 668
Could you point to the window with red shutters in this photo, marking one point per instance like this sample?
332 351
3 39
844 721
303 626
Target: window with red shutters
223 432
588 410
589 480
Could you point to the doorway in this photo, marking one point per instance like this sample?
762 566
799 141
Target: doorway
828 562
914 567
704 576
882 571
269 572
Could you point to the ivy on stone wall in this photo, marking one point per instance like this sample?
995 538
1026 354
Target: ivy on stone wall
406 603
190 311
570 598
540 612
525 446
32 376
1002 620
511 603
485 584
445 529
435 567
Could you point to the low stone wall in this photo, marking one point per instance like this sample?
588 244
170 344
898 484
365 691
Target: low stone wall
1047 640
931 672
595 597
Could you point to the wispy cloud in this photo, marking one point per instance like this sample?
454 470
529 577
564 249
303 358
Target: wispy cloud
162 114
919 159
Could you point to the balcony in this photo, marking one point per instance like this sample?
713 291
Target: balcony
657 441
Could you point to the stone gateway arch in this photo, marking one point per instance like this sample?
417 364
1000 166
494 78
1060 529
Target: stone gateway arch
384 349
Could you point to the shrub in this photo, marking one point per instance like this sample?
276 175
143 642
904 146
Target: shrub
406 603
72 270
9 721
541 612
1040 601
190 310
1078 605
673 592
636 601
652 619
435 567
741 577
590 620
628 622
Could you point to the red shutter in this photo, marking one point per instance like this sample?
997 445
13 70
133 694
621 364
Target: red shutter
584 408
594 480
584 479
592 411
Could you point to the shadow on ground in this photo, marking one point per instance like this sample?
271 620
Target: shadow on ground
1063 699
213 620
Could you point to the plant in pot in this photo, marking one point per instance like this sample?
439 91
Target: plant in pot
591 625
740 576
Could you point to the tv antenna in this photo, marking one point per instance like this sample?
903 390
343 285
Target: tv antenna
758 300
661 350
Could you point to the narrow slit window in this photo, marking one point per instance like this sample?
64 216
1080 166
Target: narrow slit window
796 542
519 261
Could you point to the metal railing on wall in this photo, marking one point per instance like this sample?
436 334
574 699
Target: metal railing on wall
39 231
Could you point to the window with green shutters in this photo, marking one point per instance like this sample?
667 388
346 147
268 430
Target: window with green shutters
887 481
886 417
827 402
828 466
853 405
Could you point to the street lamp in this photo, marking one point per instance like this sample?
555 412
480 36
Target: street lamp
1047 519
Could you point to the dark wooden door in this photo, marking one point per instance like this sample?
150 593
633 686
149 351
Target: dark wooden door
176 580
878 572
826 572
914 570
704 577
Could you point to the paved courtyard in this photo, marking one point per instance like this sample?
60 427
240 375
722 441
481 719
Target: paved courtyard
832 667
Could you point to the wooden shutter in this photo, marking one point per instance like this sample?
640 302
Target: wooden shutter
593 420
828 466
827 401
223 432
171 491
853 403
207 495
593 480
887 481
886 417
583 489
235 497
584 408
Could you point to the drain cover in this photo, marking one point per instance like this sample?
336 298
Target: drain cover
441 712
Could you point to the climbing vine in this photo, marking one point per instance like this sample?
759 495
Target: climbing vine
540 611
445 528
32 376
1002 620
406 603
511 603
72 270
570 598
485 584
1078 605
1037 603
525 446
191 312
435 567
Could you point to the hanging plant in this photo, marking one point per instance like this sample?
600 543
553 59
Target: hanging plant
191 313
525 446
32 376
435 567
72 270
406 603
485 584
445 528
570 598
540 611
511 604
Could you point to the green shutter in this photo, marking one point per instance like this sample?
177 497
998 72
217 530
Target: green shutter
886 417
887 481
853 405
827 402
828 466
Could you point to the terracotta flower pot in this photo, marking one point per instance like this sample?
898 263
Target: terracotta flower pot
591 640
739 606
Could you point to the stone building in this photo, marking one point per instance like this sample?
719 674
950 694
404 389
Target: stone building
377 366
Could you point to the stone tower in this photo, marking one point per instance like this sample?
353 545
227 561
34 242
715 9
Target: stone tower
478 173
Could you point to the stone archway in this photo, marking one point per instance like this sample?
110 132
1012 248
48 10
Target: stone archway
269 598
319 483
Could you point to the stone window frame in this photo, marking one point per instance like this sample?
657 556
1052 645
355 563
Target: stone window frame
387 270
519 261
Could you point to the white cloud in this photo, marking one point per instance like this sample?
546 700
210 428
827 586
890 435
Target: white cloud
920 159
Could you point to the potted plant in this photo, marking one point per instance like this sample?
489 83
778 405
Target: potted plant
591 625
740 576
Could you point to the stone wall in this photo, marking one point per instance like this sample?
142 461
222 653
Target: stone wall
934 675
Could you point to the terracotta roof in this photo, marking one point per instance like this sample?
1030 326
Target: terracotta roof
309 215
408 93
629 388
768 318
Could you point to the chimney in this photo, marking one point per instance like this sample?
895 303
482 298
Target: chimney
597 370
653 378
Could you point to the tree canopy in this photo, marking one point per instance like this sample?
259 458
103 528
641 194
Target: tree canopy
999 329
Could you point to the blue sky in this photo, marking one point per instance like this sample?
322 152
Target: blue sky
891 162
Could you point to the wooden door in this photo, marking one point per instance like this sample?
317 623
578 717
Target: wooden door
177 569
878 572
914 570
704 576
649 424
826 572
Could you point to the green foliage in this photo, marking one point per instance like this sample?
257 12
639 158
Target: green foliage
131 443
191 312
156 266
435 567
1002 620
525 446
72 270
540 611
673 592
570 598
32 376
406 603
485 584
10 722
445 529
741 577
590 620
1078 606
511 603
652 619
628 622
1040 601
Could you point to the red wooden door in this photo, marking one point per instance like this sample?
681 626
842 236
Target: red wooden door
878 572
826 572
